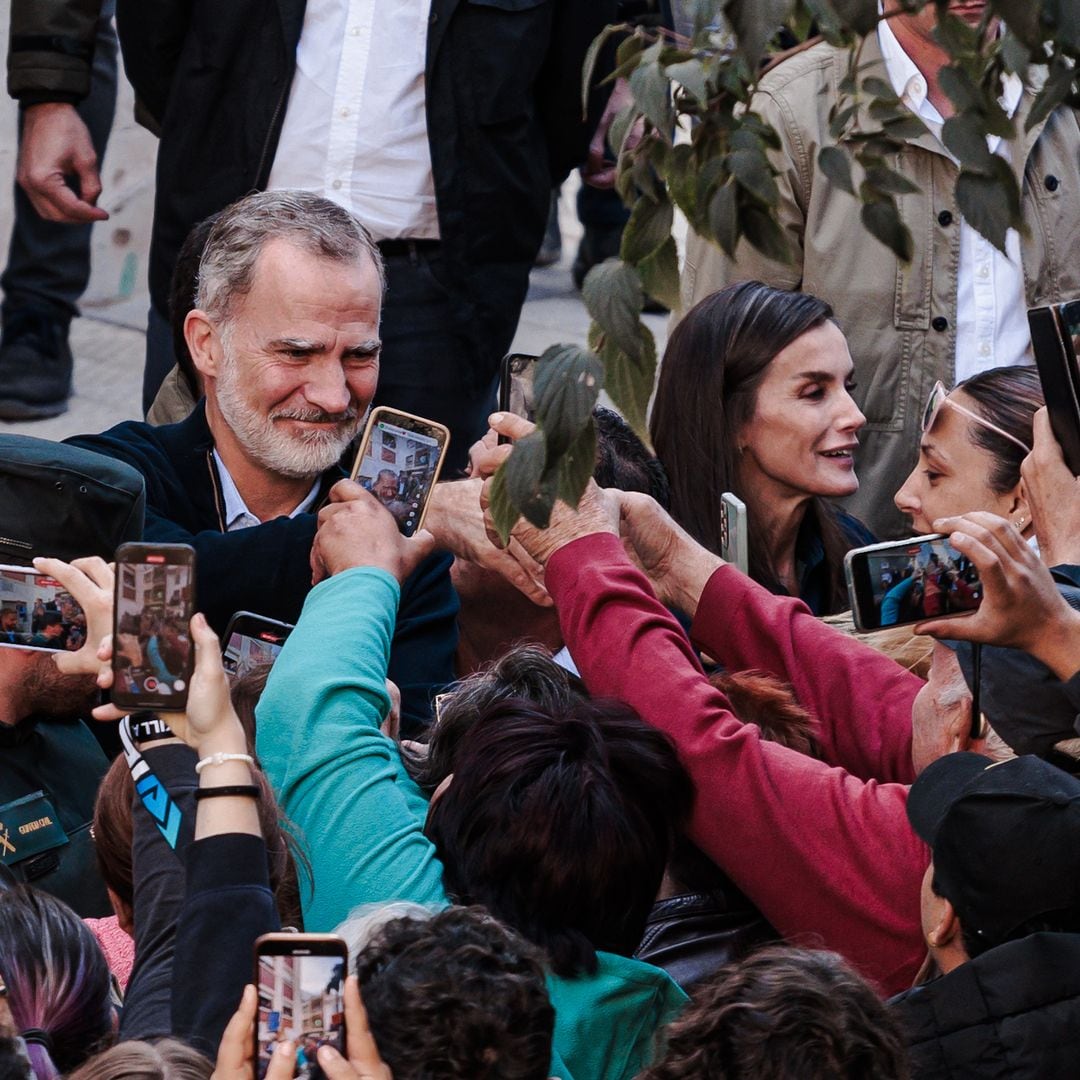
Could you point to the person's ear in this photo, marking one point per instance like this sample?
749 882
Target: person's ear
946 926
1020 508
203 342
125 917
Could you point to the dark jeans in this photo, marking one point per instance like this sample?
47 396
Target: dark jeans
440 358
49 262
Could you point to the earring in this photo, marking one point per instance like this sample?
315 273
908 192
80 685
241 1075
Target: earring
1020 522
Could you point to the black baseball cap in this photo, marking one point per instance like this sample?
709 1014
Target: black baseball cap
1005 838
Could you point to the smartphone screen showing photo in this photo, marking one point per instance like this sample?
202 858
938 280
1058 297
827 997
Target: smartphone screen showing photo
152 650
924 580
37 612
399 467
301 1000
244 652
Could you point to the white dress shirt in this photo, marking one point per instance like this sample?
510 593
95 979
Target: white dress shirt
991 306
237 515
355 125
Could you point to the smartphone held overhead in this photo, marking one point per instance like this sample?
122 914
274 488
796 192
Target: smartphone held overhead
153 655
252 642
909 581
399 461
301 984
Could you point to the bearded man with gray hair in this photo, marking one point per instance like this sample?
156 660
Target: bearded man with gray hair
285 335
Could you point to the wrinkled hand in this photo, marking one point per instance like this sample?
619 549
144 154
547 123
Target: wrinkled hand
596 512
456 520
357 530
599 169
56 144
1021 607
676 564
91 582
1053 494
484 455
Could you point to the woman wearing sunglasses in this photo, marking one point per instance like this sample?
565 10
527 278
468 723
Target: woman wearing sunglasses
973 441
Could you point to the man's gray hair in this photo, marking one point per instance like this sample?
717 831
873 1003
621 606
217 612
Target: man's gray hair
311 222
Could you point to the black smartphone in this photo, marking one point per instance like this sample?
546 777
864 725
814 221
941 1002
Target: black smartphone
250 641
399 461
153 655
37 612
516 375
301 984
1055 339
907 581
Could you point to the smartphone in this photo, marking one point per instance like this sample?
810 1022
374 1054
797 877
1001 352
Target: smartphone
1055 339
399 461
252 640
516 386
37 612
301 983
734 541
907 581
152 650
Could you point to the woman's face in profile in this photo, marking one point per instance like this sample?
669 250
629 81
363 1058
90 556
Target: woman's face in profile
951 476
802 437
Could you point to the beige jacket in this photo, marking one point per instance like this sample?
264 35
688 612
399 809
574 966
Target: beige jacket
900 321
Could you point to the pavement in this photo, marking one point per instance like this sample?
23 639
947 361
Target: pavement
108 340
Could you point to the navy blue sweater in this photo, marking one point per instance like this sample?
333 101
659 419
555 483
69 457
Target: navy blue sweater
265 569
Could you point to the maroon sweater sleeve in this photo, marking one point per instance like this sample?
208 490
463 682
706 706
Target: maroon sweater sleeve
860 698
829 859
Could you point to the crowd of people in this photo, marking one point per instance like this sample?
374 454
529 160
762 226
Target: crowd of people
589 802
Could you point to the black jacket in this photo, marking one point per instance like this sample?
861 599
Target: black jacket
503 83
1011 1014
265 569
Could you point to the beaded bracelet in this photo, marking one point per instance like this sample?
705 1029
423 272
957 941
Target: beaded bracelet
228 789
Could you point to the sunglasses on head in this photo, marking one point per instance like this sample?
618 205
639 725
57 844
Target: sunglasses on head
939 398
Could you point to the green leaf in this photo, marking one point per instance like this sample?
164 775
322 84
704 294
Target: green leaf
567 384
620 126
660 275
652 93
648 227
965 138
682 179
577 465
613 295
1022 19
724 218
591 57
690 74
904 125
1057 87
526 485
990 203
836 166
860 15
840 119
629 382
882 219
879 88
889 182
751 169
755 23
762 230
504 514
959 88
629 48
1015 53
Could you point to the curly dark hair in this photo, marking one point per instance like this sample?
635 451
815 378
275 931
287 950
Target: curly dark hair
784 1014
458 996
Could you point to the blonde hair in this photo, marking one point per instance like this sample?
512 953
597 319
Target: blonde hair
163 1059
911 651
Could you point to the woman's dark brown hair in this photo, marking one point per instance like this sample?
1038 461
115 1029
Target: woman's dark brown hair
715 362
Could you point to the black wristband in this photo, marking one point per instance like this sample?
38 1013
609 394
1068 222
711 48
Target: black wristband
149 727
250 790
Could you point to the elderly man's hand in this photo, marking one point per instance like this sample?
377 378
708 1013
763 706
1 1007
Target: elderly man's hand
91 582
1022 607
1054 496
456 520
596 512
357 530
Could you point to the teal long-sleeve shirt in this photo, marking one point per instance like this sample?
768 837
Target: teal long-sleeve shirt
341 782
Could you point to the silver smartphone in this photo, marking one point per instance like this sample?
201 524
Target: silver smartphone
907 581
734 541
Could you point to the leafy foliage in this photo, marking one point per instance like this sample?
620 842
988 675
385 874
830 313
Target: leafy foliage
689 138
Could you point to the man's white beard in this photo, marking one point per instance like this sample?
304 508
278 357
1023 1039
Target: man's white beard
296 454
